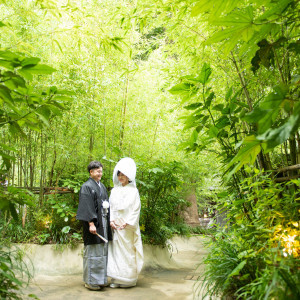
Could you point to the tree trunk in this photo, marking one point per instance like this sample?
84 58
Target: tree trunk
293 153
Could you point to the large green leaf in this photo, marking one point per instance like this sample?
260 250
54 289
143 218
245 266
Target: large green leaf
275 10
247 153
216 8
193 106
205 73
14 81
222 122
266 113
25 73
213 132
39 69
181 88
239 26
259 115
277 136
185 90
7 64
30 61
8 55
5 94
55 111
237 18
44 114
275 98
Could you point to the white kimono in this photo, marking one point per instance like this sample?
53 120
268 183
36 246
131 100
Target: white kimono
125 252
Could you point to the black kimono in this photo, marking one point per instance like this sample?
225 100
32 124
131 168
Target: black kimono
90 209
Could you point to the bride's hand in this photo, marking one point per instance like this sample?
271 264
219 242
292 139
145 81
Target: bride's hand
123 226
113 225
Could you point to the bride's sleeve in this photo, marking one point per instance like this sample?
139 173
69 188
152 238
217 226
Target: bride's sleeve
134 210
111 206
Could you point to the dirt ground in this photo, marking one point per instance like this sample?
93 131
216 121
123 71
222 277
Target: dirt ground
164 276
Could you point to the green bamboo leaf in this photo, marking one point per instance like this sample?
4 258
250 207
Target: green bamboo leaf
229 93
58 45
209 99
255 115
220 35
15 129
218 107
5 155
236 271
200 7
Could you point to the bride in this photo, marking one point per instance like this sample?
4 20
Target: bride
125 252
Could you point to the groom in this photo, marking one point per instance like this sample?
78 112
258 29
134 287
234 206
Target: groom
95 220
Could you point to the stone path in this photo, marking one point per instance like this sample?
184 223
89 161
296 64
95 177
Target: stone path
161 278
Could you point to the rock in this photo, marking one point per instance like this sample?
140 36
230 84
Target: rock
190 214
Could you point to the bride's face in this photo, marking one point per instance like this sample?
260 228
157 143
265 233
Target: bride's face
123 178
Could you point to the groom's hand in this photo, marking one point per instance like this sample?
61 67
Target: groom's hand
92 228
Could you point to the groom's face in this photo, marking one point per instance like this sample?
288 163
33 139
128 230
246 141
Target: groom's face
96 174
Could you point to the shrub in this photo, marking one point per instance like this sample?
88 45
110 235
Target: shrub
14 273
257 255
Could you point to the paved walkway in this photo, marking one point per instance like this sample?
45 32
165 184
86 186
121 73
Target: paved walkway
161 278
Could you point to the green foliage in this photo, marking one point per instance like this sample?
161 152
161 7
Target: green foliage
51 223
23 106
74 182
65 208
258 255
10 196
14 273
162 204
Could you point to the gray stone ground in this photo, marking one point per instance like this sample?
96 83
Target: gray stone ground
161 278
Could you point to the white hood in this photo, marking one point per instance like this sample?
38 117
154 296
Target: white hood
126 166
